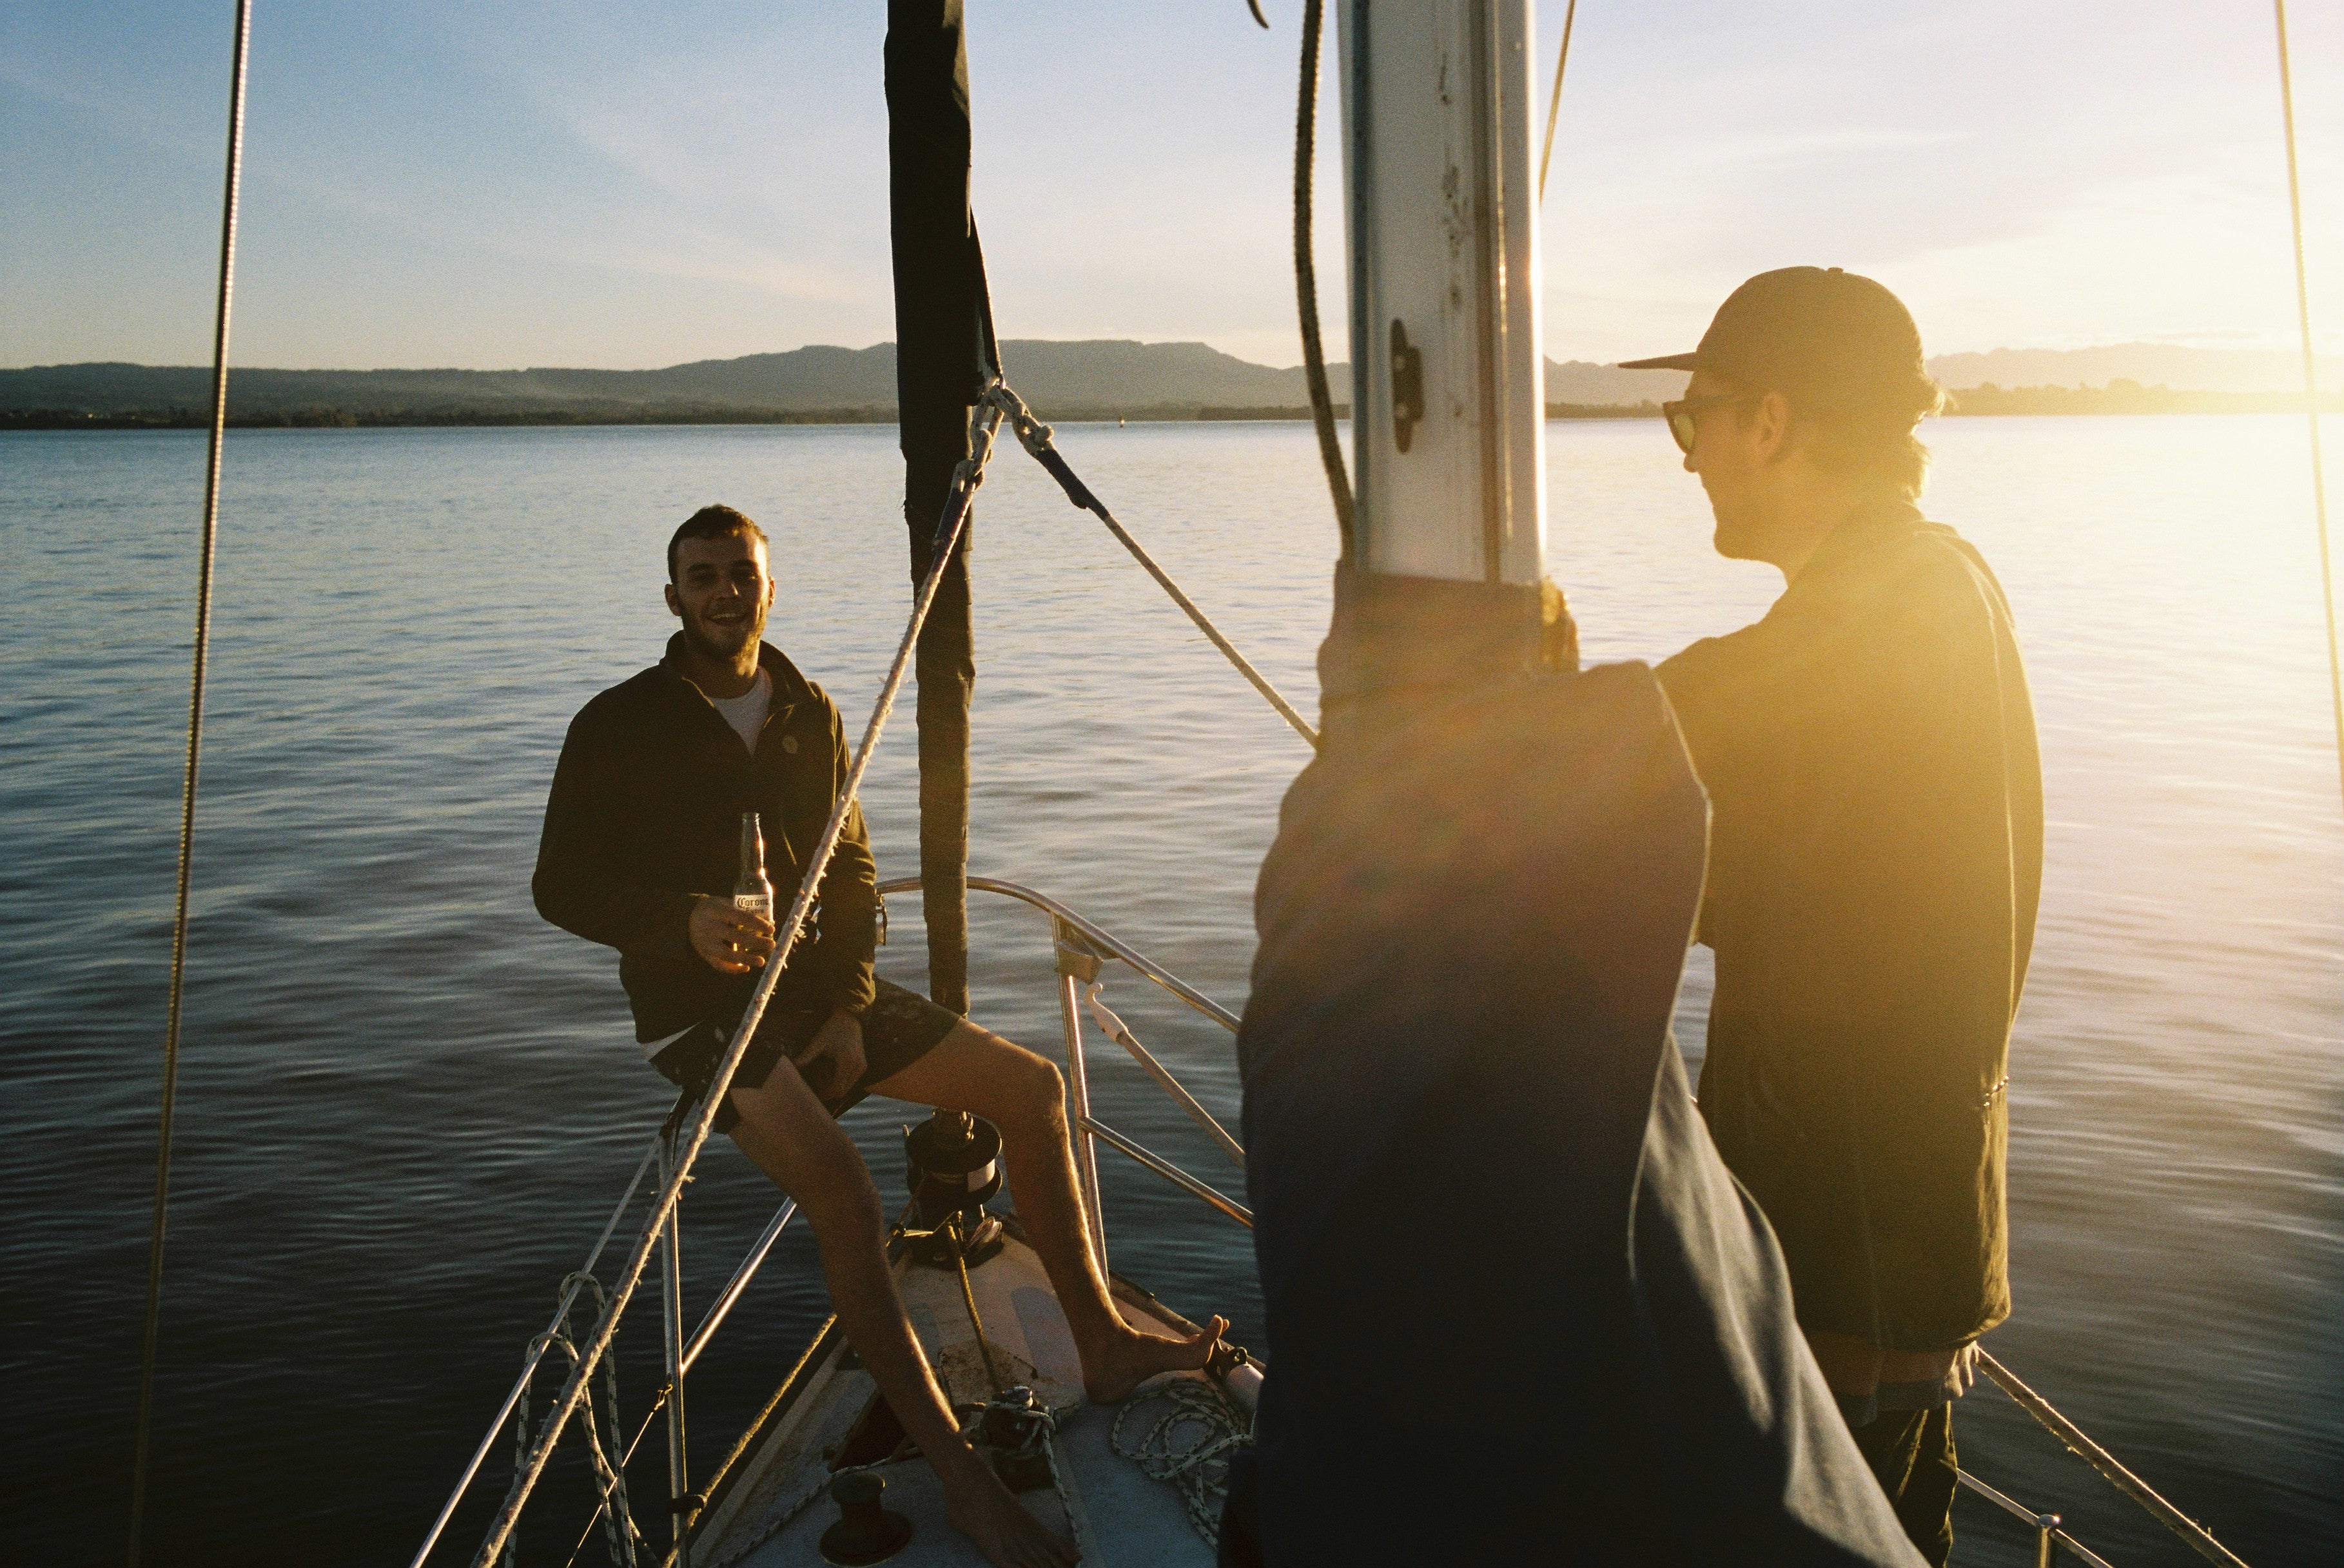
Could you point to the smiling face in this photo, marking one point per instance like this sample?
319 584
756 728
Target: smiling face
722 592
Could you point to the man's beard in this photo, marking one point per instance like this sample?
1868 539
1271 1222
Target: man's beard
695 638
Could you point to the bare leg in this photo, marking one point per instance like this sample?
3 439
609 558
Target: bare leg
793 1140
1023 1094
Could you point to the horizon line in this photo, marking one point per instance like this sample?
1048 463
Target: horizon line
2154 344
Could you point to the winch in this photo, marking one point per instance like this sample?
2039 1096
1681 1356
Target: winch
953 1163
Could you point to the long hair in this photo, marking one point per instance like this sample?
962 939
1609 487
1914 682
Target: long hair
1875 440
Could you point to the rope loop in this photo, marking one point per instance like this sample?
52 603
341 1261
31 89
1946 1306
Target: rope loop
610 1465
1023 422
1197 1467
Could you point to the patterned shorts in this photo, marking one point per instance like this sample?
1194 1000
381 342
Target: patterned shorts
901 1027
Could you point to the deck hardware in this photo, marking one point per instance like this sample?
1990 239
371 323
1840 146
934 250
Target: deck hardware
1078 957
1016 1427
1407 387
1238 1375
953 1164
2046 1540
865 1532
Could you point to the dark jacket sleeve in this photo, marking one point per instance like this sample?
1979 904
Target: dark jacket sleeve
840 964
577 885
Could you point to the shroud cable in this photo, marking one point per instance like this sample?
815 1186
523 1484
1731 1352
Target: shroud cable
142 1446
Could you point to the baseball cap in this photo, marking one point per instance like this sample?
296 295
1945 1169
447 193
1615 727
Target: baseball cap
1819 336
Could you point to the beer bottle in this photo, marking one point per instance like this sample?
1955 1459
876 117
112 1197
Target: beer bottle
751 891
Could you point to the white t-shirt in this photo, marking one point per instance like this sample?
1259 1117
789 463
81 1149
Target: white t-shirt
746 713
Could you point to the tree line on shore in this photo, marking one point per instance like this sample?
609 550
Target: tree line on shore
2120 397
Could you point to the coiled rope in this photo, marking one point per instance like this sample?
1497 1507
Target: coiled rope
152 1331
950 527
1196 1466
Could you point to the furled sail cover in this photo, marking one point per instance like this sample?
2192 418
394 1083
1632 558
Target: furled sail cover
1519 1311
944 356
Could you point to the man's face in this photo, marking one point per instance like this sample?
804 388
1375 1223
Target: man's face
1735 443
721 592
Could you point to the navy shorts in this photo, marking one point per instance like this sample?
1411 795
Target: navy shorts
900 1028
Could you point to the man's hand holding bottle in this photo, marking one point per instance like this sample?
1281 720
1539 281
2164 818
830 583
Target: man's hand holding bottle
729 939
735 935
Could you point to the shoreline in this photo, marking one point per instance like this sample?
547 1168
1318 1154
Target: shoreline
2046 402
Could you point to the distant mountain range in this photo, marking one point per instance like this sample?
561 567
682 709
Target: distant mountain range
1101 379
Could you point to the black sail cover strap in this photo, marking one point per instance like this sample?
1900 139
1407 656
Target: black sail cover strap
945 355
1521 1312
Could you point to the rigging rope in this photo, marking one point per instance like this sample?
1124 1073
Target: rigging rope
152 1331
2310 385
571 1287
975 1319
610 1465
1036 438
949 530
1306 279
1554 100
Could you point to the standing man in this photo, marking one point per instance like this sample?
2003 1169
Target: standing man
1876 857
643 830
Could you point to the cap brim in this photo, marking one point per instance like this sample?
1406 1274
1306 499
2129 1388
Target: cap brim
1667 362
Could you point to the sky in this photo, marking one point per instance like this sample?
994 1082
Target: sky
501 183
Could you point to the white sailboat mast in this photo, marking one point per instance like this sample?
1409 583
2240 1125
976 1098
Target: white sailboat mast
1440 206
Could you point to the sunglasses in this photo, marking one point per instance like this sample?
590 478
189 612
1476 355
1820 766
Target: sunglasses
1680 415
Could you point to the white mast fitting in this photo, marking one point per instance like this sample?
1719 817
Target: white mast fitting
1447 399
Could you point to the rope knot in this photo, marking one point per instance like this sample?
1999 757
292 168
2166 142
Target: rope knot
1031 433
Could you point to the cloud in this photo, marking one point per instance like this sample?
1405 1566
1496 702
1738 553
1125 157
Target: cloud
628 184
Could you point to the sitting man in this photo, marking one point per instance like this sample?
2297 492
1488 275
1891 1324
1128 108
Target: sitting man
642 835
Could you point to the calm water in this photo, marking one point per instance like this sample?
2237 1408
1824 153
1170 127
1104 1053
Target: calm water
408 1103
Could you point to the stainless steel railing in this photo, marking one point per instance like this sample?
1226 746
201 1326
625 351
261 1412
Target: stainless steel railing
2050 1539
1082 949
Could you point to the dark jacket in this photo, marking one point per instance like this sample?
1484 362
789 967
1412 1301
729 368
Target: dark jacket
645 813
1472 1152
1875 858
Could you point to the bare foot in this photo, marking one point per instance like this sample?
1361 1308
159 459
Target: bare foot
984 1510
1124 1361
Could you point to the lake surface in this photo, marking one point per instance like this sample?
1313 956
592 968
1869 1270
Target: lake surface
408 1103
